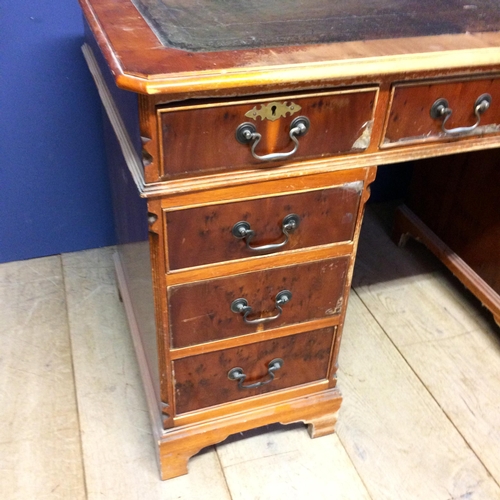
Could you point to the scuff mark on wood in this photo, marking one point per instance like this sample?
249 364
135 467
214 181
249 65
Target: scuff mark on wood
363 141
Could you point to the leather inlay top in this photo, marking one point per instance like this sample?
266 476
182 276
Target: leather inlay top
210 25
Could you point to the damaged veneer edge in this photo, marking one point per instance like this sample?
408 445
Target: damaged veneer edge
136 166
364 159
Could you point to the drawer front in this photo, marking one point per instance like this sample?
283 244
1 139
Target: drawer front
204 235
198 140
202 381
201 312
410 114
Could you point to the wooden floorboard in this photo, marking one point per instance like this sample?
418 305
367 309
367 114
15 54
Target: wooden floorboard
283 462
117 443
40 454
449 341
419 370
400 441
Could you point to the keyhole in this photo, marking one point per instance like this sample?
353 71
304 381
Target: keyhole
273 110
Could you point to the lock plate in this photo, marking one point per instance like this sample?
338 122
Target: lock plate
273 111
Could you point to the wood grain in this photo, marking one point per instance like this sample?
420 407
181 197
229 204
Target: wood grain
445 339
202 380
117 444
397 436
410 120
40 453
325 216
181 443
282 462
201 139
201 312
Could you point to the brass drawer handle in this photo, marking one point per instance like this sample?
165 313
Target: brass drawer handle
247 133
238 374
242 230
241 306
440 109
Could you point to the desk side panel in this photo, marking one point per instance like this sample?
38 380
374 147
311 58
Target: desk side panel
131 223
457 197
130 211
126 102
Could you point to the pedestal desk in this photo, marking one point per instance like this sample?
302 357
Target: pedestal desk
242 140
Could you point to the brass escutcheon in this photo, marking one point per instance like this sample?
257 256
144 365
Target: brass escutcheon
273 111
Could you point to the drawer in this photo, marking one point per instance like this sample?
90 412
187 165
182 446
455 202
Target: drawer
410 113
202 381
201 139
204 235
202 311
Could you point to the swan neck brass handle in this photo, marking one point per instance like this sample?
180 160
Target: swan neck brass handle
240 306
246 133
441 110
243 231
238 374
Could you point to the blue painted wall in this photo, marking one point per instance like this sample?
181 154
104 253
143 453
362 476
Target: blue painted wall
54 188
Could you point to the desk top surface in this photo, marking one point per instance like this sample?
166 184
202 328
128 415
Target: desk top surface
215 25
190 46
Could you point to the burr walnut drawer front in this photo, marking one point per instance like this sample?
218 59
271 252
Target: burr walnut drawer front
443 110
237 305
218 233
222 376
225 136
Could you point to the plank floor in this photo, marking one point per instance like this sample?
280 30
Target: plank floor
419 371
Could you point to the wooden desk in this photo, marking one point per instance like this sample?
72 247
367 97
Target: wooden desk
242 143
